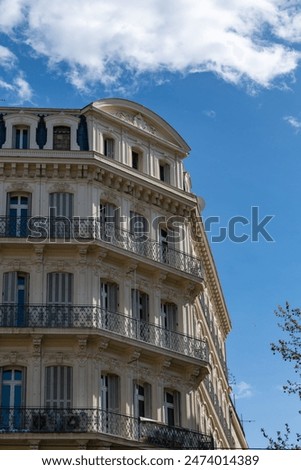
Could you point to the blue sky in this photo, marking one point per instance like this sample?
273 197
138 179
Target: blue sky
226 74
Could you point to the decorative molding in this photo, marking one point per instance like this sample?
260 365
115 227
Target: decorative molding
136 120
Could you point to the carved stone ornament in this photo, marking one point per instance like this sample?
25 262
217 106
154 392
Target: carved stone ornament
136 120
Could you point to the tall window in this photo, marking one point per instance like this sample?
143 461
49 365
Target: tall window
164 171
109 218
139 233
109 147
108 304
142 400
15 297
18 213
140 314
61 214
61 138
21 137
58 387
168 255
12 397
110 404
172 413
168 321
136 160
59 298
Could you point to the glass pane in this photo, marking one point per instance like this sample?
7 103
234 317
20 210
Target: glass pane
5 399
7 375
18 395
18 375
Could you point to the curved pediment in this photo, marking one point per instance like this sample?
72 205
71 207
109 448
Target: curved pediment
143 119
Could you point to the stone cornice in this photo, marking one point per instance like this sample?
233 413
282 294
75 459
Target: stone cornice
211 275
94 167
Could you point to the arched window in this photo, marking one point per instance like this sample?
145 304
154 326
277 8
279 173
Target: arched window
61 138
18 212
12 398
15 298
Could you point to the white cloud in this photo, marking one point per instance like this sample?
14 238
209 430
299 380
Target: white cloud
103 41
293 122
7 58
242 390
23 89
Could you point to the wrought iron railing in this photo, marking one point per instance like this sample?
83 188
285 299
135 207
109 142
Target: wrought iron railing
87 420
38 229
95 317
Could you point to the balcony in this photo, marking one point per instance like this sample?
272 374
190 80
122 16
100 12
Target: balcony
77 229
86 420
99 319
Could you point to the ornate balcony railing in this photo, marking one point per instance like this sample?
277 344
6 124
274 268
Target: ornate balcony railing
87 420
40 229
95 317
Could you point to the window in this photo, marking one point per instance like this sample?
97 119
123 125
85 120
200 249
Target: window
59 299
58 387
168 316
164 171
108 304
61 138
21 137
109 217
140 314
142 400
110 421
139 232
168 321
61 215
168 254
172 407
15 297
136 160
109 145
12 398
18 214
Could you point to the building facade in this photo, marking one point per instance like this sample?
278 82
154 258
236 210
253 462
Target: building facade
112 320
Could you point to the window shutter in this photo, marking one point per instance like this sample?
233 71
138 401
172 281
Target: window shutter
177 407
10 287
145 306
113 393
59 288
148 400
112 297
62 204
58 387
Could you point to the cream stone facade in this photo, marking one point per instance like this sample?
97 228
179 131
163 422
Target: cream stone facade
112 320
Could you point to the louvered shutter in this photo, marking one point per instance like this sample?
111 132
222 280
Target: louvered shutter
10 293
59 288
